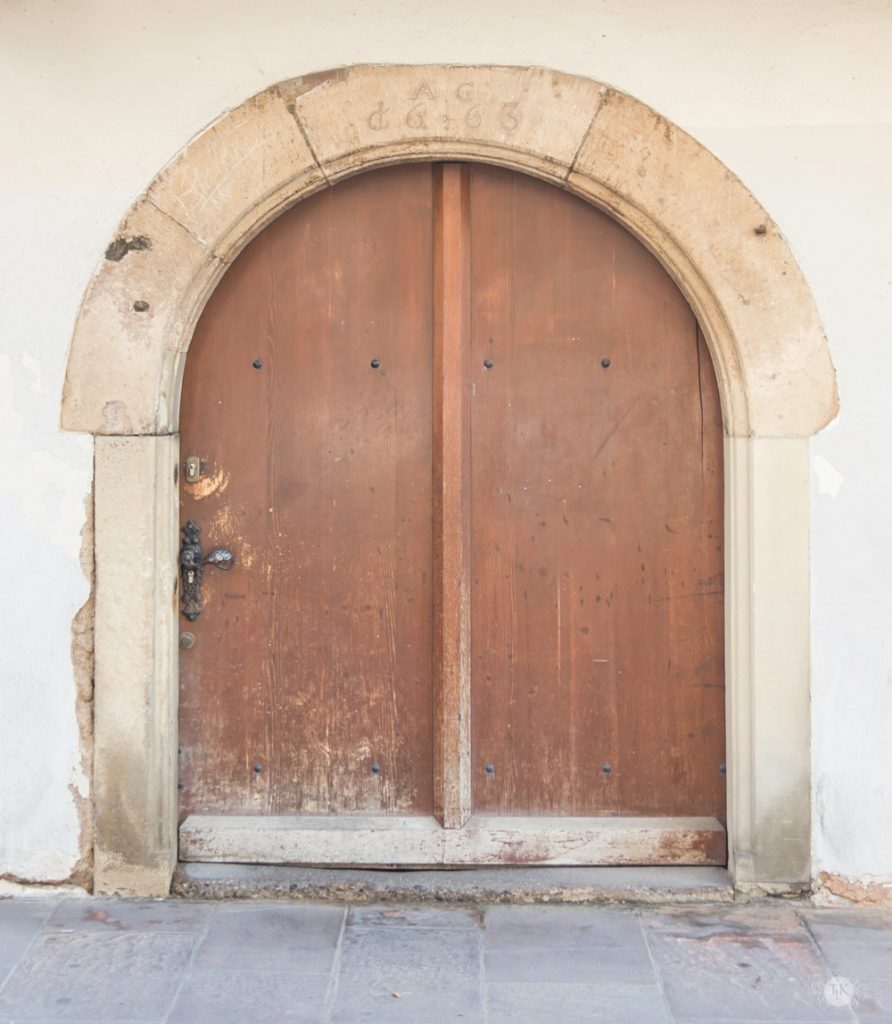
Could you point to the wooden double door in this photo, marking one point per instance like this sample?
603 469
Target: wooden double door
462 434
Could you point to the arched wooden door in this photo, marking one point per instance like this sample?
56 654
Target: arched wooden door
462 435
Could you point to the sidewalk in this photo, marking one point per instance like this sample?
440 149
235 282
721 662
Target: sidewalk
148 962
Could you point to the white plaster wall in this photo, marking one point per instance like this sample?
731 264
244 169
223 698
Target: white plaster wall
794 95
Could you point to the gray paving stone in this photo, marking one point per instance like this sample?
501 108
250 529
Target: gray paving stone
20 922
107 960
546 1003
858 959
536 927
744 919
582 966
873 999
875 1016
861 926
411 1001
570 945
414 917
874 919
236 997
107 915
439 955
100 977
857 944
409 974
298 938
742 975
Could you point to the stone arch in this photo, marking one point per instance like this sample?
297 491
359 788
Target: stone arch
771 357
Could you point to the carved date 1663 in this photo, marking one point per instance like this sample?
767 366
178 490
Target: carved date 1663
421 112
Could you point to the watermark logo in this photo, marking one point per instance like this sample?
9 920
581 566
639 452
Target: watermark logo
839 991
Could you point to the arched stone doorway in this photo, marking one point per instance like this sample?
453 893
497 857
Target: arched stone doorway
772 363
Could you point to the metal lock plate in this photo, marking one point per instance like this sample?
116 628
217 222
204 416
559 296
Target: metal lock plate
193 469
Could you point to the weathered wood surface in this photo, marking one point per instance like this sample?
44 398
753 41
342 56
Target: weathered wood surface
312 662
463 434
419 841
597 630
452 542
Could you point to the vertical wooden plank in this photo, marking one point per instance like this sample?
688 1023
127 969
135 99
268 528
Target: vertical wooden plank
451 501
596 519
307 396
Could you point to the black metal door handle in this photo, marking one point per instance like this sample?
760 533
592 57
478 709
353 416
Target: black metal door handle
192 564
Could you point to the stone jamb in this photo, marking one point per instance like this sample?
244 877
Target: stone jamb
771 357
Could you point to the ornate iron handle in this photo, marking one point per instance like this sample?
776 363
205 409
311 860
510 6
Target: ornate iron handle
192 564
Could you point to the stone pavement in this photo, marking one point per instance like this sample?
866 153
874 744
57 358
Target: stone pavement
146 962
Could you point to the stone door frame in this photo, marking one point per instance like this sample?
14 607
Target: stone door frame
771 358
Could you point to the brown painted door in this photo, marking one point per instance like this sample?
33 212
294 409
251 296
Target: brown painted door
308 689
463 436
596 519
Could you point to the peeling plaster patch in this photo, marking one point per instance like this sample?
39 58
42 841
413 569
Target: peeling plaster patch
42 489
829 478
82 629
866 890
34 367
119 248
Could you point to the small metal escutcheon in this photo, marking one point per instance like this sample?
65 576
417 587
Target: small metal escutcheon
192 467
191 568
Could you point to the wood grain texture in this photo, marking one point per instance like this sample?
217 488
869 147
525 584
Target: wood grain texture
418 841
313 656
596 523
489 567
452 542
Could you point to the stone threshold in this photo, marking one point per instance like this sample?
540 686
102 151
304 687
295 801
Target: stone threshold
580 885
